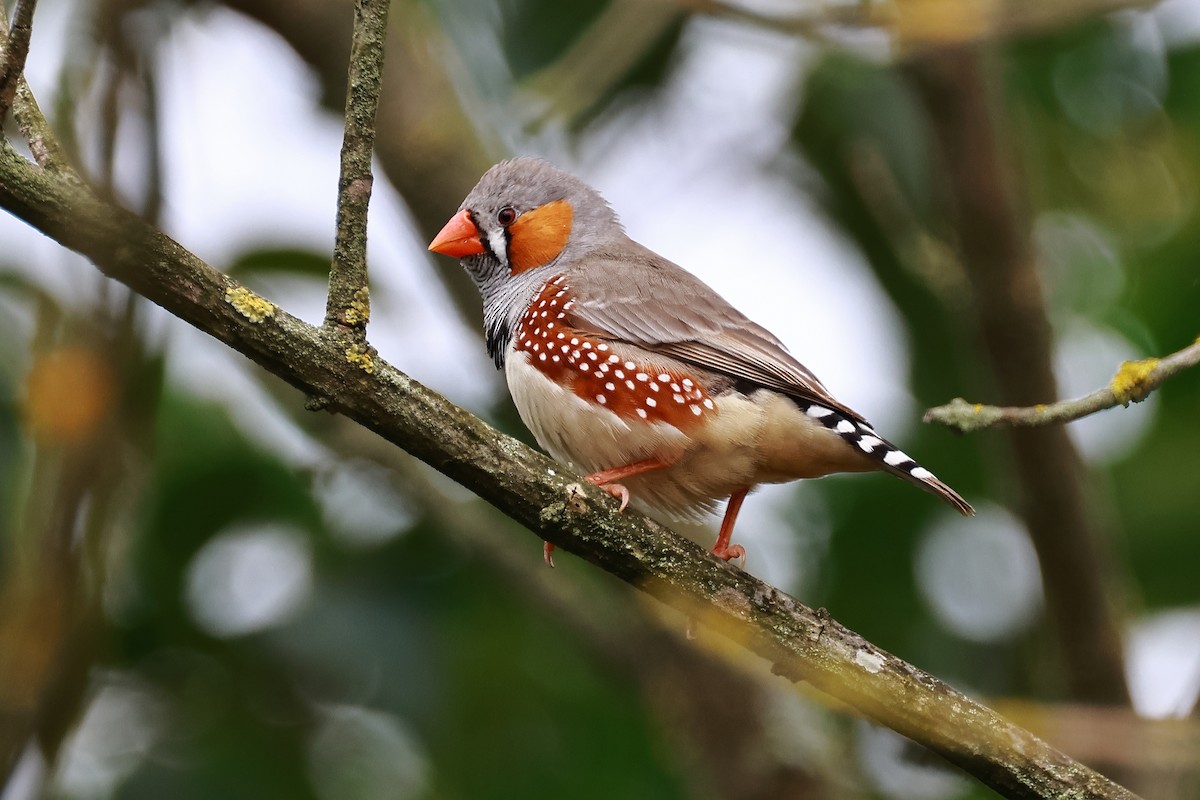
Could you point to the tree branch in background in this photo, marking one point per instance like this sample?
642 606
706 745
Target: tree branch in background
349 303
922 25
1134 381
802 644
1017 340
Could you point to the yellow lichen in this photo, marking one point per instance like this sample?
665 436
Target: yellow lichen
978 408
359 311
360 356
1129 384
248 304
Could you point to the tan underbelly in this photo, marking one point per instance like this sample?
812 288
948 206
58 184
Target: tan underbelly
748 440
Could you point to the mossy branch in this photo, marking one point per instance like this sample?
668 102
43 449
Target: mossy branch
1132 383
802 644
349 305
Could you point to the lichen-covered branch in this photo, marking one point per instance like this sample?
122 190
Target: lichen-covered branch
1132 383
349 303
15 51
802 644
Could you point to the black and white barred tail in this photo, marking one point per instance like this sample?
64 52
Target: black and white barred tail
891 458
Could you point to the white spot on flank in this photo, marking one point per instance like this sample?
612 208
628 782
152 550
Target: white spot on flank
612 387
549 326
560 316
695 409
574 340
708 403
688 382
537 331
618 373
613 359
561 335
592 356
650 402
678 398
584 366
587 345
542 304
529 343
643 377
555 359
641 412
664 377
674 387
653 386
542 357
871 662
845 426
895 458
602 347
921 474
630 365
817 412
601 399
629 384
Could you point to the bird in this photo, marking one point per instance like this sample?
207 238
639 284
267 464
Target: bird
632 370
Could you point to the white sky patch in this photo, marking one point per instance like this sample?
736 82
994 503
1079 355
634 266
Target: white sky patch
980 576
1163 662
249 578
1086 358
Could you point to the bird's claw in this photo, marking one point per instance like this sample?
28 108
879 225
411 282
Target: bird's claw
618 491
548 554
730 552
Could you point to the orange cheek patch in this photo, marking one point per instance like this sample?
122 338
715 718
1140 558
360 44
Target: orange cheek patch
538 236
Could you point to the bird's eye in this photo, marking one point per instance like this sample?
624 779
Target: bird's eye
506 216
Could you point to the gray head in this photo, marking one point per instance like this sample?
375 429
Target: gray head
522 221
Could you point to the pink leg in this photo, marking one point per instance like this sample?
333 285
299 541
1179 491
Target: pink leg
723 549
604 480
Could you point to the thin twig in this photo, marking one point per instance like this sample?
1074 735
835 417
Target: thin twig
802 644
1132 383
349 305
16 50
46 149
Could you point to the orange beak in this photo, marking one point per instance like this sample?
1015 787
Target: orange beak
459 238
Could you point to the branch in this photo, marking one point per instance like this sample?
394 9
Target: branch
16 50
1134 381
919 26
349 304
802 644
982 189
43 144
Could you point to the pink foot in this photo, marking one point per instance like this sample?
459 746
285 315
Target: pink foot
730 552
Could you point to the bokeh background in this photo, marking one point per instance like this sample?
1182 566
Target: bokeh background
207 591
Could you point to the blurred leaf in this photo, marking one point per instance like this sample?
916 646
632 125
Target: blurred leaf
280 261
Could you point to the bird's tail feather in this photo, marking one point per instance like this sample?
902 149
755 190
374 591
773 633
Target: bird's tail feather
862 436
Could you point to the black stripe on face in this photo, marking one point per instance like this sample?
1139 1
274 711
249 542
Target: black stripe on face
483 239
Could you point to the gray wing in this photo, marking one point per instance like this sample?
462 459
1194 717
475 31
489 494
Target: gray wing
644 299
